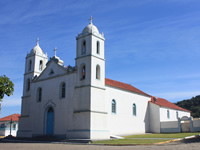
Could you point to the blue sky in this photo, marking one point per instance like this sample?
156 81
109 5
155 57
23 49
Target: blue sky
152 44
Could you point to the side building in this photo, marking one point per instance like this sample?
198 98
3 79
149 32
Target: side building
9 125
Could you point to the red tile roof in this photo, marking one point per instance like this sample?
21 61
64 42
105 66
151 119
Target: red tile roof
160 101
15 117
124 86
164 103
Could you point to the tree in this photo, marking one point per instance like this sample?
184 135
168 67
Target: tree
192 105
6 87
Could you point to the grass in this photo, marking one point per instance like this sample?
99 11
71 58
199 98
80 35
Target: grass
163 135
128 141
141 141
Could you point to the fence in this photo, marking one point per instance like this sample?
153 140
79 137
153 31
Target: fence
184 124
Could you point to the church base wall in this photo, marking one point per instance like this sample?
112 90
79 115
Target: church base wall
24 133
78 134
88 134
100 135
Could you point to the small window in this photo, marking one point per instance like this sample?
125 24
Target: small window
28 84
3 125
84 47
113 106
83 72
62 90
177 115
134 109
168 114
51 72
98 47
14 126
97 72
30 64
39 94
41 65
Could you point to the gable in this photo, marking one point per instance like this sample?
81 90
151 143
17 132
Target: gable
52 70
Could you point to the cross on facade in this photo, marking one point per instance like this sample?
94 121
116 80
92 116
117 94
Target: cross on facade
55 49
38 41
91 19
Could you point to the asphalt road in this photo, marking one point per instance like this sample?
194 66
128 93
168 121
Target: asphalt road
52 146
186 144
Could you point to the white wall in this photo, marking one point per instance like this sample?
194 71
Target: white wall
154 118
6 131
196 122
173 117
169 124
123 122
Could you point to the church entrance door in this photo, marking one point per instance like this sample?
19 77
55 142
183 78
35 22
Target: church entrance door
50 121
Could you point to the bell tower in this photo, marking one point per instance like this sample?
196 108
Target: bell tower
90 103
90 60
35 63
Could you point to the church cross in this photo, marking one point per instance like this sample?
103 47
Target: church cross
38 41
55 50
91 19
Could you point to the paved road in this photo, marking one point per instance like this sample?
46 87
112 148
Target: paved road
47 146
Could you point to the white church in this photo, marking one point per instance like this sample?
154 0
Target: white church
78 102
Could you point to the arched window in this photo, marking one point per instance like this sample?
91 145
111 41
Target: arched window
168 114
62 90
28 84
39 94
41 65
98 47
83 72
29 65
134 109
113 106
97 72
84 47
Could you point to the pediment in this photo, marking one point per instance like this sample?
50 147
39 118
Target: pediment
52 70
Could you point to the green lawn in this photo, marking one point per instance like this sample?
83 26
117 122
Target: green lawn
163 135
130 141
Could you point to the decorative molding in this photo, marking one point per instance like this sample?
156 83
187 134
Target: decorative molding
89 86
89 55
88 34
33 54
87 130
71 69
26 96
32 72
90 111
50 103
24 116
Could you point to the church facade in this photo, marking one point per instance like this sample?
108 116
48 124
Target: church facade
80 103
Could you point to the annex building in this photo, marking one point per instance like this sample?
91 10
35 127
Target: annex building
79 102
